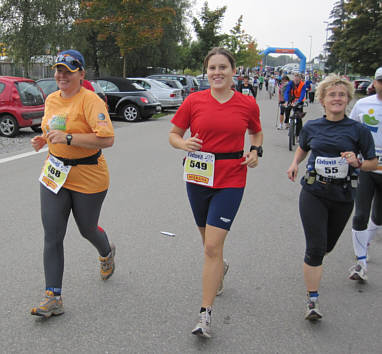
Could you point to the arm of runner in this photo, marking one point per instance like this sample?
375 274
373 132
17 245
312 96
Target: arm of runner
176 140
253 91
38 142
251 158
365 165
88 141
299 156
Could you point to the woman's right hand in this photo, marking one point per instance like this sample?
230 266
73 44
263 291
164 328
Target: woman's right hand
38 142
292 172
193 143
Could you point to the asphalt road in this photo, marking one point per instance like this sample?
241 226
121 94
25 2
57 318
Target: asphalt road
151 303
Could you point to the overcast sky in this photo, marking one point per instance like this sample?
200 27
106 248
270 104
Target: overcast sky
279 23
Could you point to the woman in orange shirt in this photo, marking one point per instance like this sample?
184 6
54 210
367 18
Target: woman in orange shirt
75 177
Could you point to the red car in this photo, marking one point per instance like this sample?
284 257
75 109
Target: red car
21 105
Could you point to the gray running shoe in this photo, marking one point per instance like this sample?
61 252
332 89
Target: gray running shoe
51 305
107 264
221 287
312 310
203 327
358 272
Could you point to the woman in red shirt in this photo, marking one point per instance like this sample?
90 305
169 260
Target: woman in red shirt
216 165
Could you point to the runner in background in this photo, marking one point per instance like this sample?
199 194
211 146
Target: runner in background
283 85
368 111
247 89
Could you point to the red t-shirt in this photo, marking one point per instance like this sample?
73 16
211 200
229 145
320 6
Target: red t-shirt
222 128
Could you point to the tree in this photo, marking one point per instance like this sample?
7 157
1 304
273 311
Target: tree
207 31
35 27
127 23
362 34
335 44
242 46
356 39
167 53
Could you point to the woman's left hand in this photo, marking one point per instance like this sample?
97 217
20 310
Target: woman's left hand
251 159
56 137
351 158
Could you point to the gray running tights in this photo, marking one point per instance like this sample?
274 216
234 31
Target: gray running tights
55 211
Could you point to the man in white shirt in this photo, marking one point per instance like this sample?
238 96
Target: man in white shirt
368 111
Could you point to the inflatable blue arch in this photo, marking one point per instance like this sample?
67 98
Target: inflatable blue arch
288 51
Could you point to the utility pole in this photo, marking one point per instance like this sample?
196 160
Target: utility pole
310 49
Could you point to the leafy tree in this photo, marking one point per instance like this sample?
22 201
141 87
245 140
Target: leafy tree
167 53
356 39
242 45
35 27
362 34
207 31
336 46
127 23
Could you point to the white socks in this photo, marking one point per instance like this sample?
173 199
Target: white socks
360 241
372 228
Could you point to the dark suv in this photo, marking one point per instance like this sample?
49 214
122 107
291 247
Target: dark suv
190 83
21 105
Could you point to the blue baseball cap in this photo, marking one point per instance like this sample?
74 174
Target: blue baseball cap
71 59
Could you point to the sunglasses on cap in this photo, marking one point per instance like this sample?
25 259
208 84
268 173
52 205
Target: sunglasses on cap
68 59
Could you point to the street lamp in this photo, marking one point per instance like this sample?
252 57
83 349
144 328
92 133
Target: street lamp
291 57
310 50
326 39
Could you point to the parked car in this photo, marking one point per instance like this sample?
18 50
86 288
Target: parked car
98 90
128 100
49 85
357 82
174 84
168 97
370 90
21 105
362 87
203 84
189 83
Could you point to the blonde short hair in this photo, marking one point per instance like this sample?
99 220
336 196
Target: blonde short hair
334 80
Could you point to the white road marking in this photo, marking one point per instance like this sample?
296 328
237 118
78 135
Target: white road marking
20 156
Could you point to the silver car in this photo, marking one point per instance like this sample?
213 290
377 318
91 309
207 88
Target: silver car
168 97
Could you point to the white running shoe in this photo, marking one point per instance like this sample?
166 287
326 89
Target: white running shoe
358 272
312 310
221 287
203 327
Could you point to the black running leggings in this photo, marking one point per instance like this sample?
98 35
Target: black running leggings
55 211
370 186
298 120
323 221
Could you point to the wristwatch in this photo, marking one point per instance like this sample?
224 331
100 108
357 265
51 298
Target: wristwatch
259 150
69 138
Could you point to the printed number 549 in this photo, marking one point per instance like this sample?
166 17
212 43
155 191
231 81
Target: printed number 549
198 164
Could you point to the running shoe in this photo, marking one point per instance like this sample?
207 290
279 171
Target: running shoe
358 272
312 310
203 327
107 264
221 287
51 305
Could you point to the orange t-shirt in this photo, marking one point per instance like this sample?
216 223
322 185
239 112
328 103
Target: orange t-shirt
83 113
